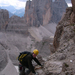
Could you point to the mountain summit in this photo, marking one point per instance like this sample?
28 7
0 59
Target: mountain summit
43 12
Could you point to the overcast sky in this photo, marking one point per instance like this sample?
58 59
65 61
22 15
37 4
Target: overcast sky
18 4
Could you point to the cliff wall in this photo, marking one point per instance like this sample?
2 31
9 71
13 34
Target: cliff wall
64 44
43 12
4 17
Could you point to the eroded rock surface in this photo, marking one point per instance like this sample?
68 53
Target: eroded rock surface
43 12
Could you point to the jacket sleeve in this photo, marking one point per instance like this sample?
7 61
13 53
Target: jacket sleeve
36 60
30 64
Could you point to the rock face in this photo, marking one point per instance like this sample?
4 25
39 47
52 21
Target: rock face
64 44
17 24
42 12
73 13
4 17
43 46
15 19
62 26
73 5
62 62
58 9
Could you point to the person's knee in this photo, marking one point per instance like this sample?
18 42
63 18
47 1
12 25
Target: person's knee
21 68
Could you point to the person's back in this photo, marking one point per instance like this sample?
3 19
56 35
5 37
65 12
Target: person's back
23 55
24 60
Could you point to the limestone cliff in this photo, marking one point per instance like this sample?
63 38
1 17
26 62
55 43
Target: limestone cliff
62 62
42 12
62 33
64 44
58 10
73 13
4 17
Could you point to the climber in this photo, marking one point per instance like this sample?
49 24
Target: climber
25 61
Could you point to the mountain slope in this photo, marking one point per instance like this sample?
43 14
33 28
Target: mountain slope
20 12
64 45
40 32
51 27
10 14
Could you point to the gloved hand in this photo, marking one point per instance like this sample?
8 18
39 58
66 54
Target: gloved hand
36 73
41 65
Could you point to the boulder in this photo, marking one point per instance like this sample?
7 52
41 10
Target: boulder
52 67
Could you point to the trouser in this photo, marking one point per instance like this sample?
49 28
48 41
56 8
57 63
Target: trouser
23 70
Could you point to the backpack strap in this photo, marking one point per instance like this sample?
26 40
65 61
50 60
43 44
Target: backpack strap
23 55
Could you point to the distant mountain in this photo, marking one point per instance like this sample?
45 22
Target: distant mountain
9 8
68 1
20 12
10 14
13 11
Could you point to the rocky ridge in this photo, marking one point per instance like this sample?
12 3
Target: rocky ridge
42 12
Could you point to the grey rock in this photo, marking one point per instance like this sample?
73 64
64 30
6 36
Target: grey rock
43 12
61 56
3 58
4 17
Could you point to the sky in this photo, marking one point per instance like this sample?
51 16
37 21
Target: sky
18 4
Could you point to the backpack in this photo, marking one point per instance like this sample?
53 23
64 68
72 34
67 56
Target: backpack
23 55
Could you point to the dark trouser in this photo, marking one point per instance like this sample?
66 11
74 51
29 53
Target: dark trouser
23 71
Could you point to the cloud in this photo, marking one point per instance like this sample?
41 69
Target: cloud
22 0
4 3
19 4
69 4
16 3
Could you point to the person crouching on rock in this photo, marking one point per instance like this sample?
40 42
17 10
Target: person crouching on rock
25 59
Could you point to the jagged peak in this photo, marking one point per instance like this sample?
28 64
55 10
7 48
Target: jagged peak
60 1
